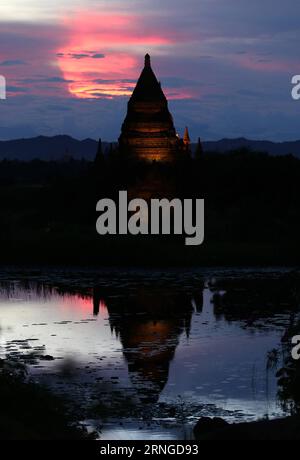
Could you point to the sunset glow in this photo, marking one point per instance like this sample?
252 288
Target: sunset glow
71 65
97 59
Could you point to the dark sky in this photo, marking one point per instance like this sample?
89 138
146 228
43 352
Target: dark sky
226 65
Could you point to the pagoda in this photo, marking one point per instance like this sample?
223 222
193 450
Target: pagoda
148 132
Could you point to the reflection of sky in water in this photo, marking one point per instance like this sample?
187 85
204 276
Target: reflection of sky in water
224 364
219 363
65 325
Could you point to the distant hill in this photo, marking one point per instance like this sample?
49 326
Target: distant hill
64 147
48 148
273 148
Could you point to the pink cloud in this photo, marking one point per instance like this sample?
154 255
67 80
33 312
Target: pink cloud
118 39
67 59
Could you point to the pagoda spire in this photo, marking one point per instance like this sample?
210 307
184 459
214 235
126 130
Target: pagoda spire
186 137
147 60
99 149
99 155
148 131
199 149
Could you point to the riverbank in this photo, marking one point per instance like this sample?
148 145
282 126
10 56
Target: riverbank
286 429
31 412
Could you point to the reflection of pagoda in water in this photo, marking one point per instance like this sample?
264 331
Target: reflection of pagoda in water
148 131
149 323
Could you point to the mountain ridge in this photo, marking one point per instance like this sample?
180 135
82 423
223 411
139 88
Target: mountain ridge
61 147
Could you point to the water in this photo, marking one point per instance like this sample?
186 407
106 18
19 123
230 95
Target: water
144 354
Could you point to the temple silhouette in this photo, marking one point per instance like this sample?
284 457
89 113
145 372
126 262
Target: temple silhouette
148 132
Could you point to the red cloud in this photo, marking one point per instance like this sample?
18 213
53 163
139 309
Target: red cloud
118 39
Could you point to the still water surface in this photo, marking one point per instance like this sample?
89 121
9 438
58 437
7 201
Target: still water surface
145 354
